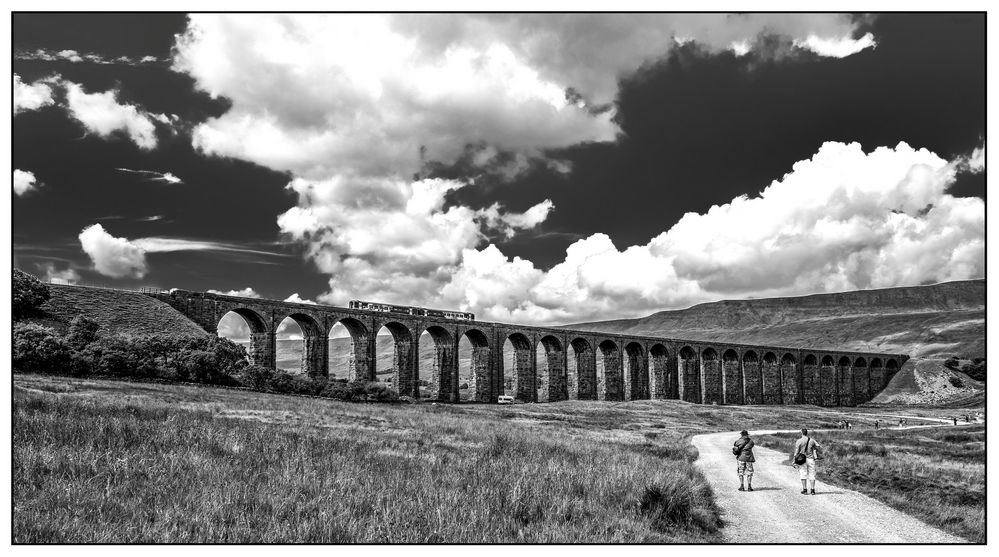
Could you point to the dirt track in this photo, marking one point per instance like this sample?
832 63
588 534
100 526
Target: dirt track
777 512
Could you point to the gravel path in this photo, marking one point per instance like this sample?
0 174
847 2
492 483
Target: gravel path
777 512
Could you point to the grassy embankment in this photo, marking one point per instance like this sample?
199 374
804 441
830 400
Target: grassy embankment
936 475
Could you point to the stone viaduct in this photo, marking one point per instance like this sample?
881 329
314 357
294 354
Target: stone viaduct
633 367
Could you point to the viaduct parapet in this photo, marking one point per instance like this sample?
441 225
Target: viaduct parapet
631 367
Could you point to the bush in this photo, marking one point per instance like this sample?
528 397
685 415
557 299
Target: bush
27 293
37 348
82 331
282 382
956 381
256 377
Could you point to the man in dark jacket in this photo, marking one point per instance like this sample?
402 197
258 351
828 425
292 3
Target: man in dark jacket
744 458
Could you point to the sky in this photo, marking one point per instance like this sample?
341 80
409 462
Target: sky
531 168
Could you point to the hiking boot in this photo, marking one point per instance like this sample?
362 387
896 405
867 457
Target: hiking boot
804 492
813 492
742 488
750 488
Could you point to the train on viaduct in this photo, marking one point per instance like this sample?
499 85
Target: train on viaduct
633 367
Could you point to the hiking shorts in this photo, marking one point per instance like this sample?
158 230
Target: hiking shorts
806 471
744 468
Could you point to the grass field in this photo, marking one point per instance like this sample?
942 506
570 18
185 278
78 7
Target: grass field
108 461
936 475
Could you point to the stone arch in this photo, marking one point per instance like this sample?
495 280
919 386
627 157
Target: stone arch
520 384
711 377
662 378
828 390
789 378
637 377
479 383
314 344
442 377
770 373
891 368
844 379
861 381
877 376
261 348
555 383
752 378
732 374
403 358
689 375
584 359
612 385
358 354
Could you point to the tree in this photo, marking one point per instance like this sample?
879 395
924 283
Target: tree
82 331
37 348
27 293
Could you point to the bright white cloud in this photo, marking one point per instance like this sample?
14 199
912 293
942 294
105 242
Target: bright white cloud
840 47
153 176
975 162
101 113
244 293
113 257
59 276
31 97
296 299
78 57
24 181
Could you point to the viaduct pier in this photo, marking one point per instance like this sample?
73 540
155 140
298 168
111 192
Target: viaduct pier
633 367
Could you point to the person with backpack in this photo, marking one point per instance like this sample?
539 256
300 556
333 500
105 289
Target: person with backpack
806 451
744 459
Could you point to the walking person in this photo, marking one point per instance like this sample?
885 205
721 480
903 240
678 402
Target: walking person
806 450
877 424
744 459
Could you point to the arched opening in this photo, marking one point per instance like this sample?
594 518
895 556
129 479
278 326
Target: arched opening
609 381
828 390
246 328
348 345
752 379
288 346
844 380
789 379
810 389
877 376
891 368
583 360
732 373
663 382
861 381
773 391
395 355
473 367
552 382
438 367
637 387
518 368
712 373
689 375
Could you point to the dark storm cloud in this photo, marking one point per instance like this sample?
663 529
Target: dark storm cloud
699 130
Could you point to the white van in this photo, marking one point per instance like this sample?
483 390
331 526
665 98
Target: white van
505 399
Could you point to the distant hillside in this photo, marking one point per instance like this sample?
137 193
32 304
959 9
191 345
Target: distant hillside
922 321
115 310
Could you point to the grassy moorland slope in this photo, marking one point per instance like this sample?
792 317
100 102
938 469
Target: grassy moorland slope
116 311
936 475
922 321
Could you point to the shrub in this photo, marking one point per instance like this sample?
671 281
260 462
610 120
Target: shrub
27 293
256 377
82 331
305 385
378 392
956 381
282 382
37 348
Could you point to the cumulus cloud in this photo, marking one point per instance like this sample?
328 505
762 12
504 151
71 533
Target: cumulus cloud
296 299
244 293
111 256
975 162
153 176
31 97
842 220
24 181
59 276
102 114
840 47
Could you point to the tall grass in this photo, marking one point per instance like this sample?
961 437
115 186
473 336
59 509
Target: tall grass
183 465
936 475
